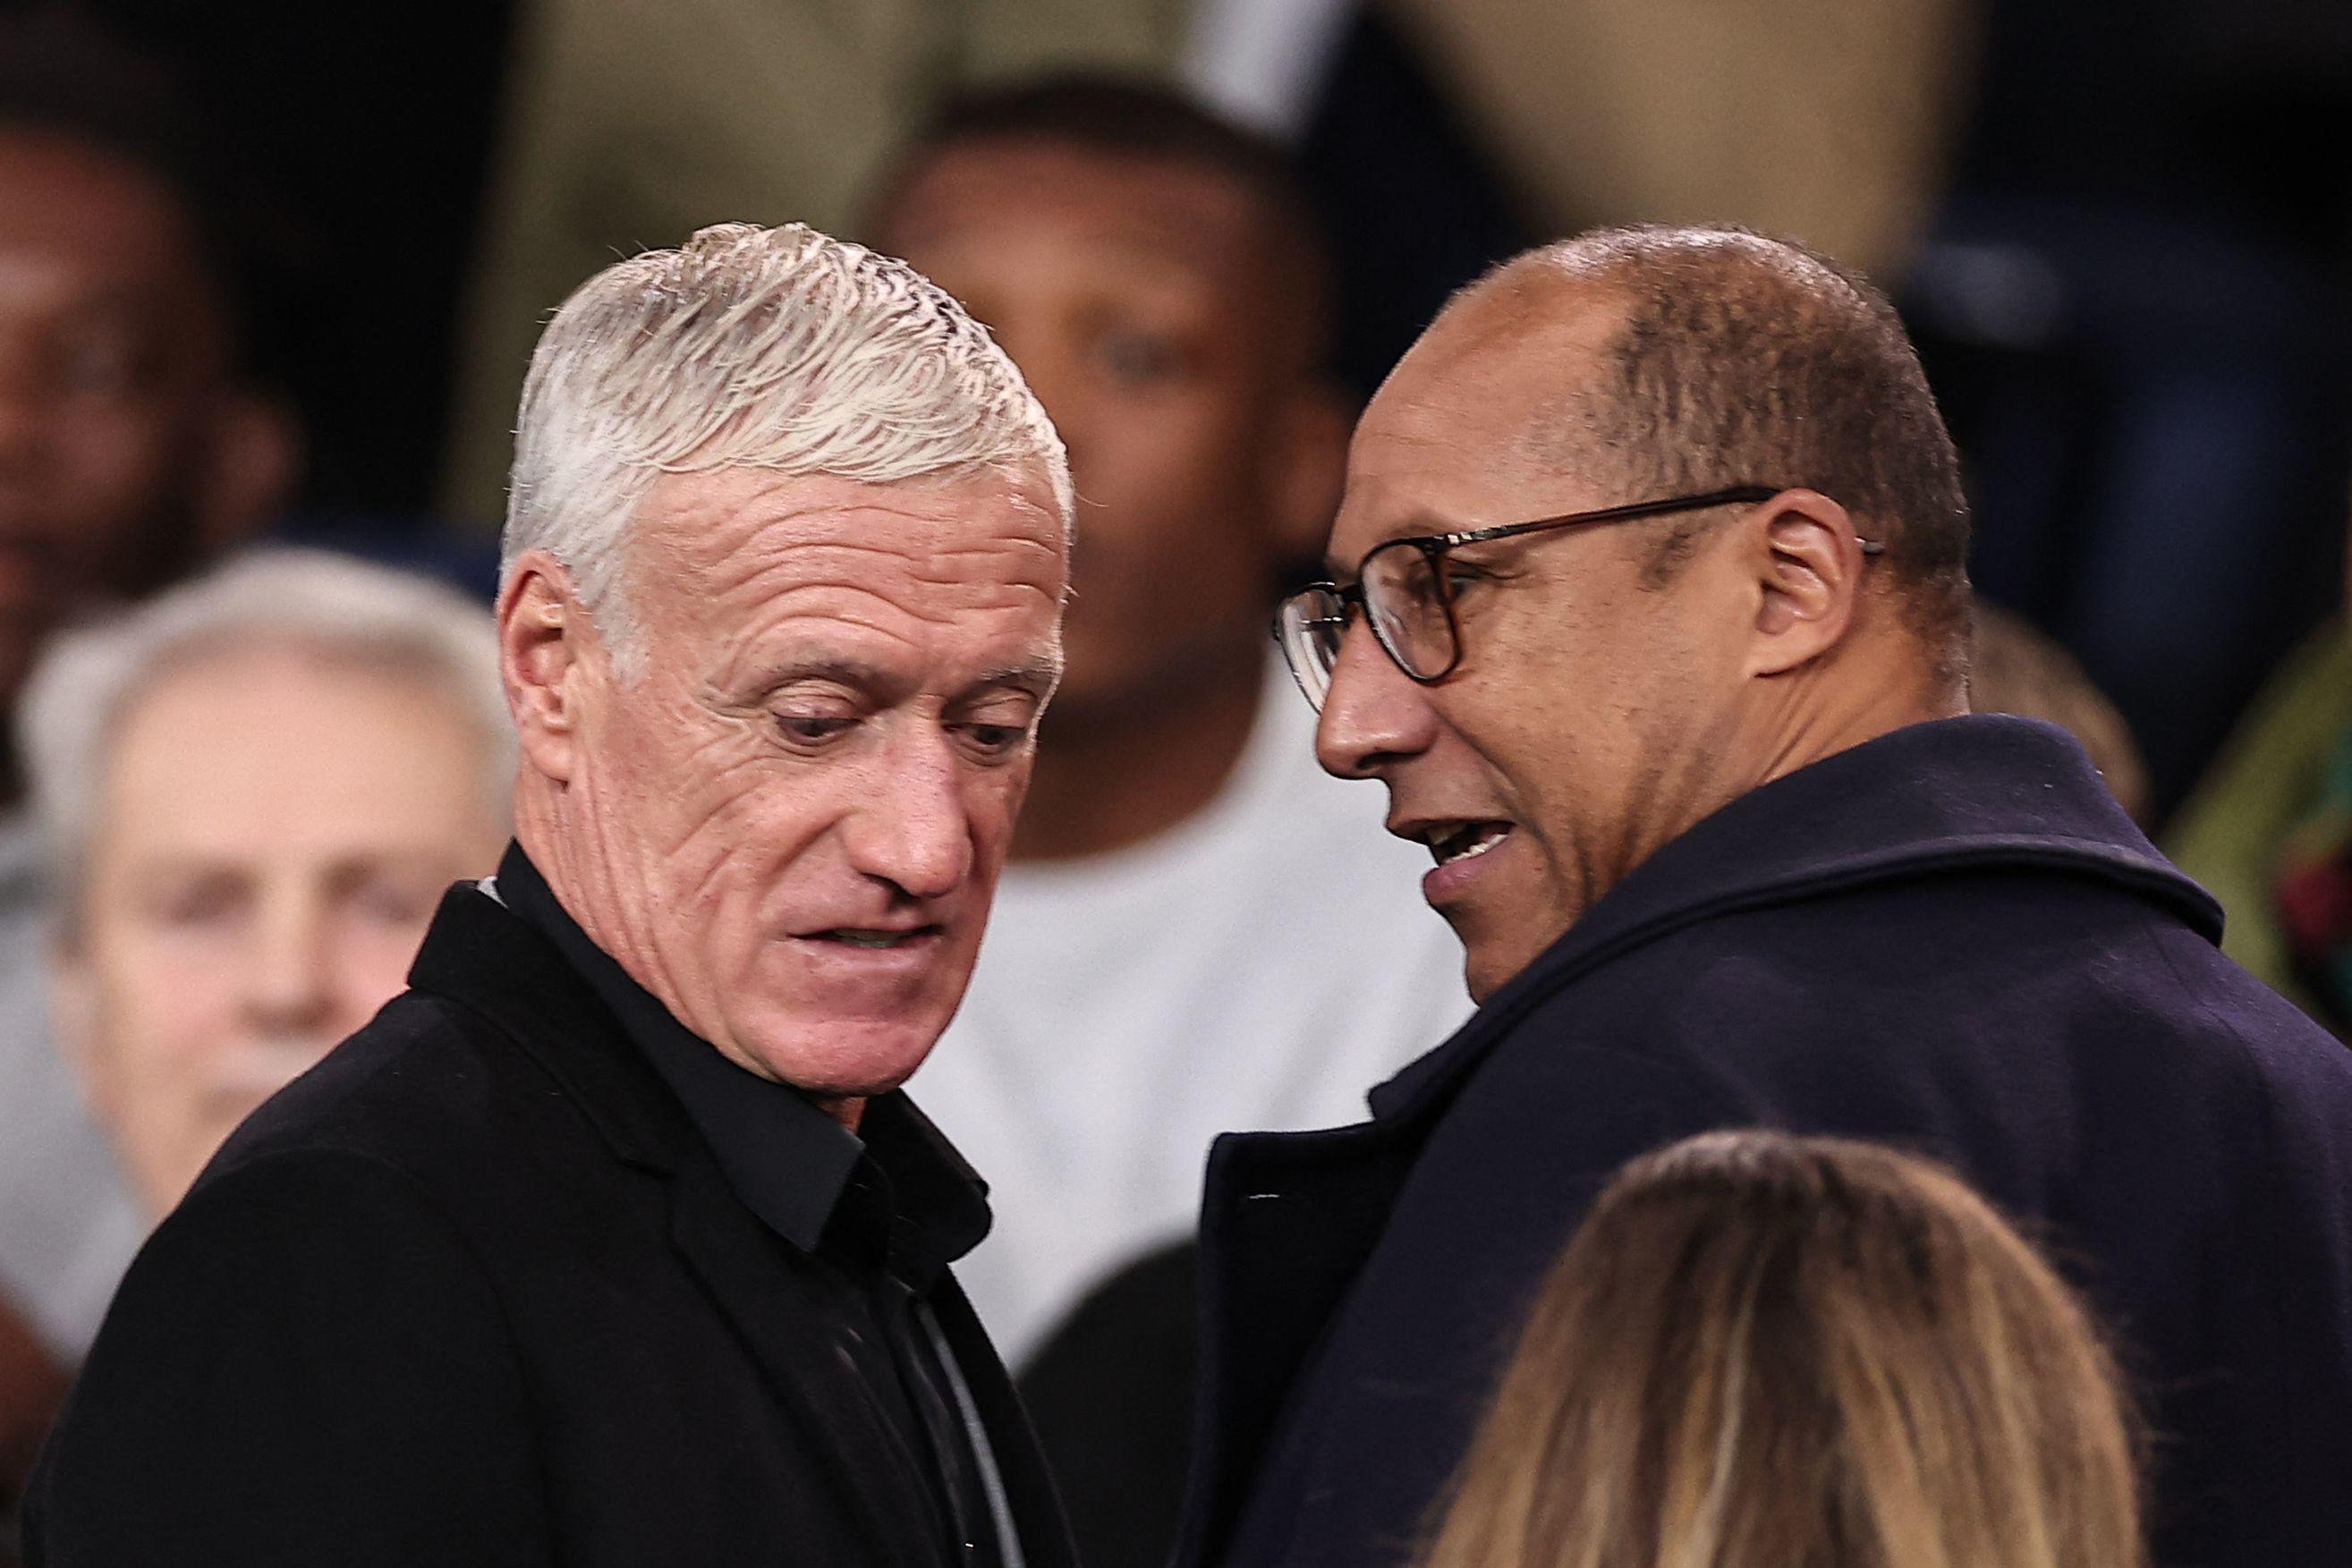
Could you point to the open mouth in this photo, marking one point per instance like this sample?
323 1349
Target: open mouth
1451 842
874 940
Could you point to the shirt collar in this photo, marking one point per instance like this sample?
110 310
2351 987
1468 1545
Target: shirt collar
900 1196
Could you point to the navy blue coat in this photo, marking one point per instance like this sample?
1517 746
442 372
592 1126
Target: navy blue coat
1949 938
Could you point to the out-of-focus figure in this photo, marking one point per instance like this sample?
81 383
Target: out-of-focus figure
1764 1349
626 120
2269 830
2018 670
254 789
131 450
1200 930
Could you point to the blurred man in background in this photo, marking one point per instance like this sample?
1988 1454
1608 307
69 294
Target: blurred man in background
254 792
249 793
1198 929
130 449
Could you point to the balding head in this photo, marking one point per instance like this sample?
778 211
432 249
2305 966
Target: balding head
1738 428
1732 358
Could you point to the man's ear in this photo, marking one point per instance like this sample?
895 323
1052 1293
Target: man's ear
1808 565
252 455
1307 458
546 643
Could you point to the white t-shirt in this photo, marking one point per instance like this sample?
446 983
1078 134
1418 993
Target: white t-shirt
1259 967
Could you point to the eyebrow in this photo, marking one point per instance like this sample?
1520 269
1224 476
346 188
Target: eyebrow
1425 525
1036 679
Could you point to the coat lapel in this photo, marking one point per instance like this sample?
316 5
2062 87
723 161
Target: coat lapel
752 1277
1035 1503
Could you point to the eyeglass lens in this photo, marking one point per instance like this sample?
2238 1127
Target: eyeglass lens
1309 629
1408 610
1408 614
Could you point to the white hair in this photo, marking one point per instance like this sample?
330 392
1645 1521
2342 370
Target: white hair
776 349
372 617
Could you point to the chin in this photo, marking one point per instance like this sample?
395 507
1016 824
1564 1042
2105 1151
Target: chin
844 1058
1487 968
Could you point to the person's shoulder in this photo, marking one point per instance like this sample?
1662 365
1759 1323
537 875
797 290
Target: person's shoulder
2294 1067
424 1088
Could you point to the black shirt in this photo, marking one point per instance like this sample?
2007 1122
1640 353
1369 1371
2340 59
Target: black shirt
881 1213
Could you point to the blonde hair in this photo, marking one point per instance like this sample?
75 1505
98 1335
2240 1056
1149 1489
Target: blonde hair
1768 1352
2018 670
780 348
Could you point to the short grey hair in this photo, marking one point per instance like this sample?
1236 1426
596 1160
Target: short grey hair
371 616
777 348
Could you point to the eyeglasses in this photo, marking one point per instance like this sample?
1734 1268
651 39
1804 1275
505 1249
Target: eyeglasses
1405 590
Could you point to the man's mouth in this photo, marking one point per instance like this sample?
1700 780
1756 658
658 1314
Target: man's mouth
1451 842
868 937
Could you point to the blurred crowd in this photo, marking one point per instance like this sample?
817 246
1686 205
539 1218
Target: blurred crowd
269 275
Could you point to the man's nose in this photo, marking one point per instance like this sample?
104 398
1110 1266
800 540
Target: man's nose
913 830
289 977
1373 714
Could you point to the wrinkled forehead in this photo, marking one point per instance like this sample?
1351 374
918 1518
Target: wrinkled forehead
711 549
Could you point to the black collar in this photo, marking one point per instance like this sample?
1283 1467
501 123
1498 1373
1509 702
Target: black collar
1983 790
900 1196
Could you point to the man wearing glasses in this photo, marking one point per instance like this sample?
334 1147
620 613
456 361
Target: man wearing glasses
1648 606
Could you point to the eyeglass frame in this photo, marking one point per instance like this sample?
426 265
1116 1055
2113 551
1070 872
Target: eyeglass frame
1435 548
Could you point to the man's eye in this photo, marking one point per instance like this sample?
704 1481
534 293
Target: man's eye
995 739
1138 357
197 907
810 728
100 364
394 902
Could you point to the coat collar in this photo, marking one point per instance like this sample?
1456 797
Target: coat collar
485 957
1984 790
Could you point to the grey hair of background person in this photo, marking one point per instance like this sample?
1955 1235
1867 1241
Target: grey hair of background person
776 349
348 612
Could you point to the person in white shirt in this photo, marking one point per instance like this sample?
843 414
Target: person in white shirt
1200 930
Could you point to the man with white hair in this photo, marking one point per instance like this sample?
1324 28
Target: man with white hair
253 790
611 1241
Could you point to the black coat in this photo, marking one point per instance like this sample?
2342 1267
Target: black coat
473 1291
1948 938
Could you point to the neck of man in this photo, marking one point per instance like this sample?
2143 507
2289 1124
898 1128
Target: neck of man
1122 769
583 885
1872 692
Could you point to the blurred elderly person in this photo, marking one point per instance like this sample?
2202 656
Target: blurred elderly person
254 789
1648 606
611 1241
251 791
